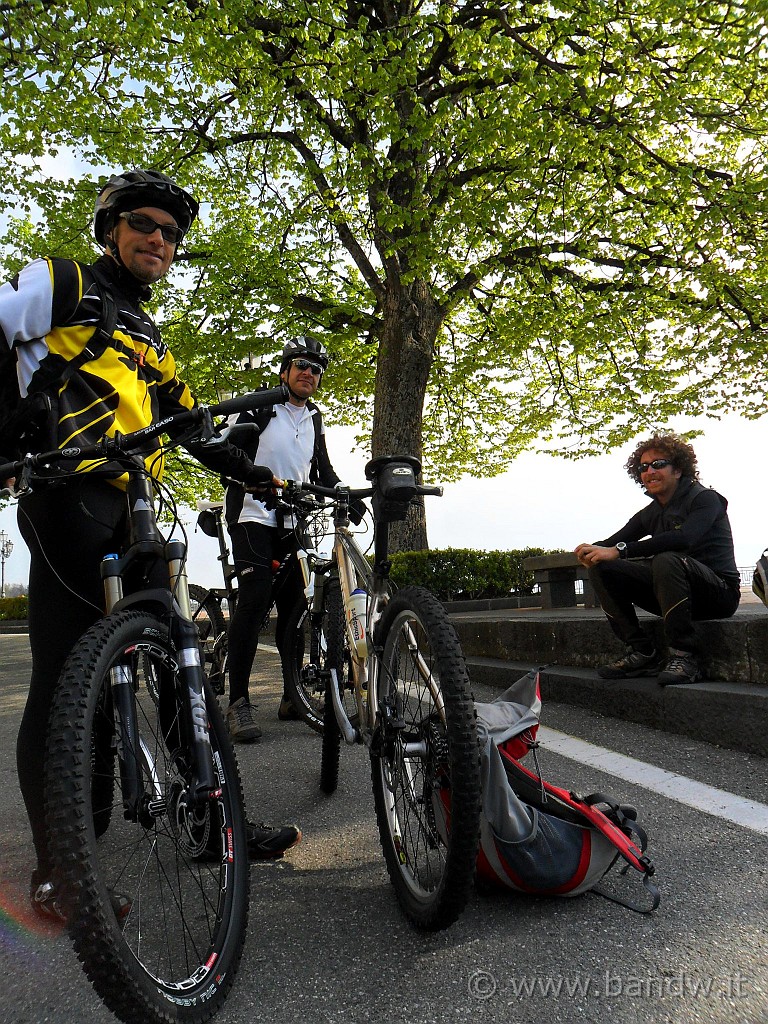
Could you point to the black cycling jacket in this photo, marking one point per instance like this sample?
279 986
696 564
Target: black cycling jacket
50 311
694 521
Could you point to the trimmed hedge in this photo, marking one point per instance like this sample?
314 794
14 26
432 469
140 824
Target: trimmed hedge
13 607
456 574
452 574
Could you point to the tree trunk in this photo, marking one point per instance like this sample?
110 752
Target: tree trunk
410 323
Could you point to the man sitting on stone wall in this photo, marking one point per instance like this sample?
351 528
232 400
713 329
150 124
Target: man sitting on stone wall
674 558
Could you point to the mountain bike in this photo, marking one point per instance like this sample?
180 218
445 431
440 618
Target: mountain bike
396 658
306 518
143 794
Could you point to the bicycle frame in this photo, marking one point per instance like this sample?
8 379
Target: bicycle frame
351 564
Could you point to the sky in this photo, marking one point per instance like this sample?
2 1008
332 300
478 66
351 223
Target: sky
542 501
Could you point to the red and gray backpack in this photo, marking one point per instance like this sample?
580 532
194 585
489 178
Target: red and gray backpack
540 838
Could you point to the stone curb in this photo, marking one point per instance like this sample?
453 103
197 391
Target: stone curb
733 650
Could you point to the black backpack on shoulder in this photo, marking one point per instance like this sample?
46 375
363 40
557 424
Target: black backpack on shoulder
23 421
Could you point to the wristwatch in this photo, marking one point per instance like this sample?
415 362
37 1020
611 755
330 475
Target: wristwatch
621 547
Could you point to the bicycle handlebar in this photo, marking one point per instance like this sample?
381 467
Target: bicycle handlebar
297 486
251 400
127 444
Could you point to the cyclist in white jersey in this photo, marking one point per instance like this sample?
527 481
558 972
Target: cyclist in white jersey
292 443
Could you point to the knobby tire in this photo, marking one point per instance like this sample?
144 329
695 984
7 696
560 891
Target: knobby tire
425 760
174 956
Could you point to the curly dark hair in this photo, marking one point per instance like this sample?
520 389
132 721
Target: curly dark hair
677 450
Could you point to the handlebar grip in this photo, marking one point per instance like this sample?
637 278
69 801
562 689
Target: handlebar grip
431 489
253 400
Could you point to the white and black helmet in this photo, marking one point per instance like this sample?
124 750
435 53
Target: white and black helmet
129 189
307 346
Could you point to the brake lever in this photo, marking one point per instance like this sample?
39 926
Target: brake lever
21 484
208 435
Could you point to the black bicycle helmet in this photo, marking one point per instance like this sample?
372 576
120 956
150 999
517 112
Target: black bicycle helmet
304 345
129 189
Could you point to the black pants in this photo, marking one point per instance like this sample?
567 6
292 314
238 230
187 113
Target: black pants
68 530
254 548
678 588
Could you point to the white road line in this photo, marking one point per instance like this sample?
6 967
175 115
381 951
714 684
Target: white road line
748 813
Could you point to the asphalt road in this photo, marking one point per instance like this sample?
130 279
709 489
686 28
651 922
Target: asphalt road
327 942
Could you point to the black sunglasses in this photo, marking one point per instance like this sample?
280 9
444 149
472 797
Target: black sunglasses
656 464
304 364
146 226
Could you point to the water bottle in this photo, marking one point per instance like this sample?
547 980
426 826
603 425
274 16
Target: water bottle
356 611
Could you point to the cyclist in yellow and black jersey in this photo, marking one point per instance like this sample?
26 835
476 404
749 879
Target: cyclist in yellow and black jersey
95 382
50 313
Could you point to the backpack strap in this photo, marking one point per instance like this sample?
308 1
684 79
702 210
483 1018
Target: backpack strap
624 818
103 336
317 423
650 887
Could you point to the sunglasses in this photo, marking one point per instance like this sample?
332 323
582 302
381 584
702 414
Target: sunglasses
146 226
304 364
656 464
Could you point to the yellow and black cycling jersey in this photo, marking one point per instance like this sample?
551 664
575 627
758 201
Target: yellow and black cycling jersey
49 312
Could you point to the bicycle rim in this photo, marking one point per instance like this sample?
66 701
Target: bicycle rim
184 871
425 764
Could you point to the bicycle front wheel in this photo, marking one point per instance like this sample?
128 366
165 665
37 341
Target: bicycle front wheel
156 901
425 760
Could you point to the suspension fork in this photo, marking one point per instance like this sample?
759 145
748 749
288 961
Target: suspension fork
204 784
121 682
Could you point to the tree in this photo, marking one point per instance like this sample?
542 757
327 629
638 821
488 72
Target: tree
522 223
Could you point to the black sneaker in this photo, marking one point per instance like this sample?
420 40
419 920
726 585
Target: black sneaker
269 842
634 663
682 667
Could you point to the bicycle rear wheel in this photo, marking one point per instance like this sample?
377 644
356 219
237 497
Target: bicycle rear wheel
212 627
303 663
425 760
337 658
307 659
183 867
